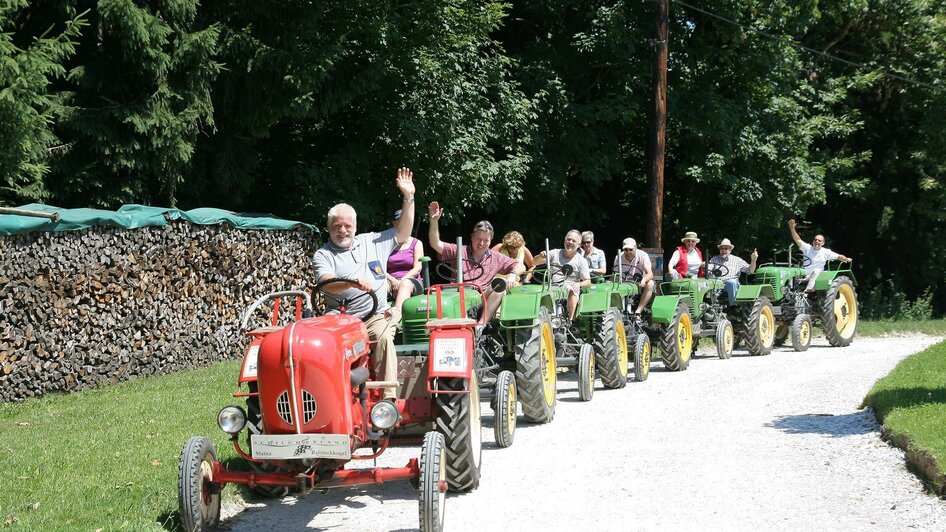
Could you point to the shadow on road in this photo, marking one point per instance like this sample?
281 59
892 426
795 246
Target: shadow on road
836 426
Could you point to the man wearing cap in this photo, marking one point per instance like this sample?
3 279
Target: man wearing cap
580 276
363 258
477 252
633 261
733 267
597 263
817 255
687 260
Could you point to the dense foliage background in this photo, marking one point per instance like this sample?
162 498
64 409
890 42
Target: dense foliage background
532 113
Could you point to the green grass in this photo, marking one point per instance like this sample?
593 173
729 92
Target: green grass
884 328
108 458
911 402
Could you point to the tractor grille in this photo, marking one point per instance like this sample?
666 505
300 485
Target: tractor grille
283 409
415 332
309 407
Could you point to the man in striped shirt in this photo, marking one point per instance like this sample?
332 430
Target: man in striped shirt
728 267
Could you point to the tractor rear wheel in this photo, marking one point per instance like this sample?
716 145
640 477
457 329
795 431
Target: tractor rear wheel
839 312
458 419
641 357
725 339
611 350
197 494
433 489
759 327
676 343
504 428
801 332
586 373
535 370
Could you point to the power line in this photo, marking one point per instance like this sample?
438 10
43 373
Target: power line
782 38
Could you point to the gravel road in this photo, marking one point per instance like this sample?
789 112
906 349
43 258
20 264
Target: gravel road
773 443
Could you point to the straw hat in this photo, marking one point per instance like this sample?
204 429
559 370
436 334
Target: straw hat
725 243
690 235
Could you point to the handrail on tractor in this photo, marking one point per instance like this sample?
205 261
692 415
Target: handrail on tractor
276 295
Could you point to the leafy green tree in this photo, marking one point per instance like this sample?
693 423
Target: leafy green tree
141 80
29 104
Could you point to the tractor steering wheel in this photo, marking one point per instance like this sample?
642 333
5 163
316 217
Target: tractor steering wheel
718 270
472 270
633 274
344 303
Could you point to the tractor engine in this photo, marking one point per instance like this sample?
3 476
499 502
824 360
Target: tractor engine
305 375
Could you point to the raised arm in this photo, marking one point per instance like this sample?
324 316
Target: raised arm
433 233
405 183
791 229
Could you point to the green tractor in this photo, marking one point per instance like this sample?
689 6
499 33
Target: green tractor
832 305
514 351
606 313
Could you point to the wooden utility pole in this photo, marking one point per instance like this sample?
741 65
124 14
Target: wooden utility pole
655 178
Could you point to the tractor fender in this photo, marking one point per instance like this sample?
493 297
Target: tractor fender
751 292
594 302
521 306
825 278
664 308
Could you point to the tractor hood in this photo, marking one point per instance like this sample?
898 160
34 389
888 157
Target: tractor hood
305 374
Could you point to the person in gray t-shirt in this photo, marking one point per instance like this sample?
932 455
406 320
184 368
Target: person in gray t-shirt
579 278
363 259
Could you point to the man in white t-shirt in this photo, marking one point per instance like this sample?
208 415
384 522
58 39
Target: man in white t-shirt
633 262
817 255
580 276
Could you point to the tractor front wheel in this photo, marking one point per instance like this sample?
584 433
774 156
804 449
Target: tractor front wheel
801 332
611 350
433 485
458 419
641 357
586 373
759 327
839 312
535 369
198 495
725 339
781 334
676 343
504 428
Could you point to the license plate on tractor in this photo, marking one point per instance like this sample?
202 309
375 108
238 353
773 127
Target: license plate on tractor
295 446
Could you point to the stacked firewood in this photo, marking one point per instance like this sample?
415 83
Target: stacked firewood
102 305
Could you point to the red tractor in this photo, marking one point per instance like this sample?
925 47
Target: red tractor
312 407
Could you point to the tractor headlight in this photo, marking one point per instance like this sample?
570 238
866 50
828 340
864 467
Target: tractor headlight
557 322
231 419
384 415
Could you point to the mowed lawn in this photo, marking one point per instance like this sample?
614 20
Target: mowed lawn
911 403
108 458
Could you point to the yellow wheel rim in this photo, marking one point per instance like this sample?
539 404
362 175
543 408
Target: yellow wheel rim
622 347
804 333
685 337
766 326
511 407
645 357
845 311
548 364
728 339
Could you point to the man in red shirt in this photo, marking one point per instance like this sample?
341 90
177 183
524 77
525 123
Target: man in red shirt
477 252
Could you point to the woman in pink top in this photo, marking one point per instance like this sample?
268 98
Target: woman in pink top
403 265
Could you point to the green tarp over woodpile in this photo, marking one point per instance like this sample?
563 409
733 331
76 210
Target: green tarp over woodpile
135 216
